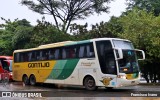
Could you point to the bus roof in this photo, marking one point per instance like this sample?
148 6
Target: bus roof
99 39
56 44
6 57
66 43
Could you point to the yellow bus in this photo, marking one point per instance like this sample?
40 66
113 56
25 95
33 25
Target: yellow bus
100 62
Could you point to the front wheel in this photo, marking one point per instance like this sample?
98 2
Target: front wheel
32 80
89 83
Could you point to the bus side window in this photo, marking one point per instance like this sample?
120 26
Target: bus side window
72 53
86 51
90 50
16 57
45 55
51 54
57 54
30 56
38 55
21 57
25 57
77 51
64 55
81 51
33 57
5 65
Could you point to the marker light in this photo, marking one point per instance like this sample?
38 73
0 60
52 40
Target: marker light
125 69
122 76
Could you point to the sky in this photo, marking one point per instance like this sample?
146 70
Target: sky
12 9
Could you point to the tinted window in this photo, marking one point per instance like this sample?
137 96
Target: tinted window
86 51
66 52
106 57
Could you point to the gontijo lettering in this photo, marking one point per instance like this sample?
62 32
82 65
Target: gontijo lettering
38 65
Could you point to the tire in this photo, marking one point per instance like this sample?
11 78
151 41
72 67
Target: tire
32 80
89 83
25 80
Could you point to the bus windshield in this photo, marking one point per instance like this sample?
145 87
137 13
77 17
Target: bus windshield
129 63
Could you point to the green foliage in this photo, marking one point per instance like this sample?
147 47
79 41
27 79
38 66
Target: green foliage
8 31
19 34
21 37
107 29
5 42
143 29
67 10
45 33
79 31
148 5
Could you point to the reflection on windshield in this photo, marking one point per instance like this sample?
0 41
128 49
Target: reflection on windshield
129 63
10 67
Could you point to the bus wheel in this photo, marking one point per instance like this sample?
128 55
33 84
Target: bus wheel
25 80
89 83
32 80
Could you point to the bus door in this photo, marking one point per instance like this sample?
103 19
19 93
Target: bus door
107 61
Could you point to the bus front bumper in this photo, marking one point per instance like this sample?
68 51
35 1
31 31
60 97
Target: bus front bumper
126 82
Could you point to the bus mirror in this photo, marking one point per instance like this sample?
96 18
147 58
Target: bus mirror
119 53
140 54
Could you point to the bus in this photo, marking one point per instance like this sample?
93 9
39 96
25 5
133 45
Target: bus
100 62
6 67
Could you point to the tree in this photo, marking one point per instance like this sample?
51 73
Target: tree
46 33
103 29
79 31
14 35
5 42
149 5
143 29
108 29
67 10
22 37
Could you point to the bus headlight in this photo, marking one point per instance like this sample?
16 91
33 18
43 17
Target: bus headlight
122 76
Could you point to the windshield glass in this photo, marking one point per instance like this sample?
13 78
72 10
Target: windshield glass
129 62
10 67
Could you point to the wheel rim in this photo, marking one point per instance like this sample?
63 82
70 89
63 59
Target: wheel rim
90 83
32 80
25 80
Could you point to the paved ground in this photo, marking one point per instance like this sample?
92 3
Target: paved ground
49 91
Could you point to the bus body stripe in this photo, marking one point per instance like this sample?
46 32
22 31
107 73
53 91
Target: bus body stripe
57 69
68 69
63 69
